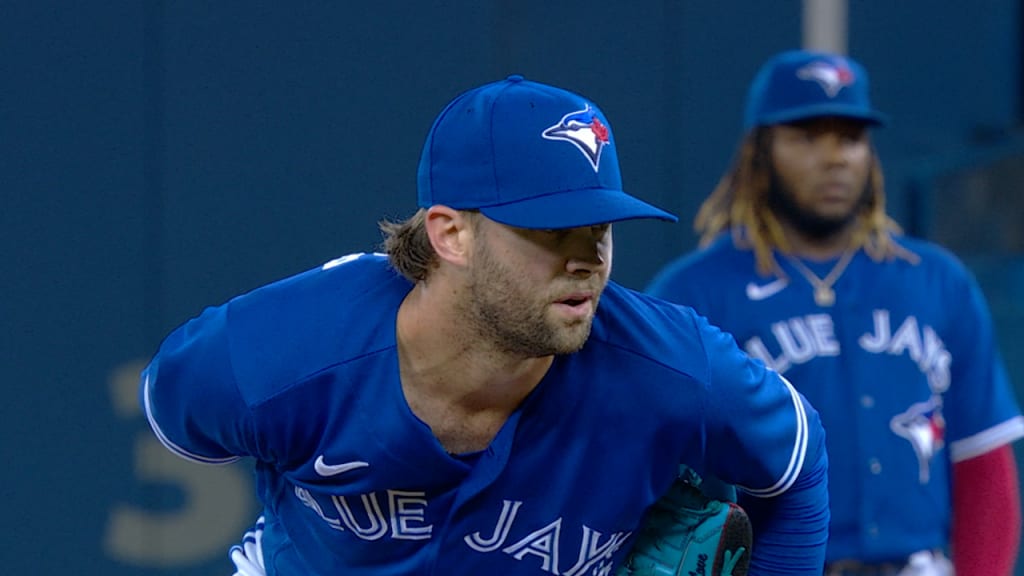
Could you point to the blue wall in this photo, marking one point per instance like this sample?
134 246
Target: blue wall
158 157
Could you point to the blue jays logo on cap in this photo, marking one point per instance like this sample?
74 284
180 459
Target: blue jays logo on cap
799 85
491 150
584 130
831 77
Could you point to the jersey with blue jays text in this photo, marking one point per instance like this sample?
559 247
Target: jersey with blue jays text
302 375
903 368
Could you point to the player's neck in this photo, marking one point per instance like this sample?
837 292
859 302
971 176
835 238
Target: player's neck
818 247
437 356
455 384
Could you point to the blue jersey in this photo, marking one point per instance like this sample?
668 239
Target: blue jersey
302 375
903 368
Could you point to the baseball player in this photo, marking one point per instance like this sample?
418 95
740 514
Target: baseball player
888 336
463 404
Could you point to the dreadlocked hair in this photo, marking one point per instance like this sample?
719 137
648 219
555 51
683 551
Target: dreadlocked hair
739 204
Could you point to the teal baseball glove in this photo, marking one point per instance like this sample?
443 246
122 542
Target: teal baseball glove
686 533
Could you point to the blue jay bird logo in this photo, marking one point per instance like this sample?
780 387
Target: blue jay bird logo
925 428
831 77
585 131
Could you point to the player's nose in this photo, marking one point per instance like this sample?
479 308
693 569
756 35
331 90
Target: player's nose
588 249
835 149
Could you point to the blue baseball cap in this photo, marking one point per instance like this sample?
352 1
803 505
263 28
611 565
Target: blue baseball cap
527 155
800 84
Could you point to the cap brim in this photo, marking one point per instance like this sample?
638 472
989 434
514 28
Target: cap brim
575 208
807 112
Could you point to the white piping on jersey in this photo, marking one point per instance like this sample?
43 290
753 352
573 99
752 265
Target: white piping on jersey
796 459
986 440
171 445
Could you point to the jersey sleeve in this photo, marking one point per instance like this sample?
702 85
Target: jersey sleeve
190 396
767 439
760 415
981 410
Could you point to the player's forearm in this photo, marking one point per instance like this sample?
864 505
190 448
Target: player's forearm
791 530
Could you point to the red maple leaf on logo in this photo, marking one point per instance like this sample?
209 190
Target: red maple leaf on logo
845 75
600 130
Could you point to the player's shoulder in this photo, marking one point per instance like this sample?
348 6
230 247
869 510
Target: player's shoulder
933 259
720 258
929 251
297 326
336 288
651 329
627 307
351 273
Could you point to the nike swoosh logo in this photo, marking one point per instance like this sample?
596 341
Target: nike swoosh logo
324 469
760 292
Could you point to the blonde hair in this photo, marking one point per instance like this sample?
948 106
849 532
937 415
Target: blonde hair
739 204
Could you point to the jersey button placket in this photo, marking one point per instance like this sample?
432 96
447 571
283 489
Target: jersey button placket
874 466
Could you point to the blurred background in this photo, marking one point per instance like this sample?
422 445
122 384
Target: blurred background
157 157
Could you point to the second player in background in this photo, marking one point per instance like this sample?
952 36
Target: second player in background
888 336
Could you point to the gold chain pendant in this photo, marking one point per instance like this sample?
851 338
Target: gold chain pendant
824 296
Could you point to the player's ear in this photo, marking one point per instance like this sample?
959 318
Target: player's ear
450 232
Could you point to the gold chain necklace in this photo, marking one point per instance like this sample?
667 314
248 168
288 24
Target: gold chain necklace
824 295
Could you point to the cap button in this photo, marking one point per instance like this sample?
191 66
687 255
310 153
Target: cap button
515 78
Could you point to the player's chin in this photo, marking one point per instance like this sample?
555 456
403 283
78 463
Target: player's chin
571 338
836 206
836 212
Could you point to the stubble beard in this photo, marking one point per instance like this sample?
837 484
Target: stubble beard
513 318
